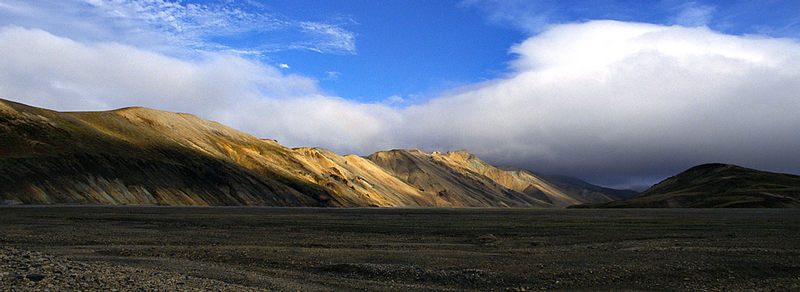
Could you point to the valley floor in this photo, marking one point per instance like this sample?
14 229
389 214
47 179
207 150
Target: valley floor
246 248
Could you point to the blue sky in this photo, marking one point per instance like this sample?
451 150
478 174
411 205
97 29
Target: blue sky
407 48
414 49
620 93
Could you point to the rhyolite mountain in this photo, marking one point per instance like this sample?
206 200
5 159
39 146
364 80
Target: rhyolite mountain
718 185
144 156
577 188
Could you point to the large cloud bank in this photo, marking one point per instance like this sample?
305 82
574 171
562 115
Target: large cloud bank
608 100
616 103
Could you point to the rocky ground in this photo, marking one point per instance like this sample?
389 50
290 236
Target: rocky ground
310 249
25 270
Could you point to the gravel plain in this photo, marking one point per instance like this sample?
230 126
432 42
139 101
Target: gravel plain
91 248
25 270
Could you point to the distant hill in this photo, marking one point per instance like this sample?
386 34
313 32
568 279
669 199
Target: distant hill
591 193
718 186
144 156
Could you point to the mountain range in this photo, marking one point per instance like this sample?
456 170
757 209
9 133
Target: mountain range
143 156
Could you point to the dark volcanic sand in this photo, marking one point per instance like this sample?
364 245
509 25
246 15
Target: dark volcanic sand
219 248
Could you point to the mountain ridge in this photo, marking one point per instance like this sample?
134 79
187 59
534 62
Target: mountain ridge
138 155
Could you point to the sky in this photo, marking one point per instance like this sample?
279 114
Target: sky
618 93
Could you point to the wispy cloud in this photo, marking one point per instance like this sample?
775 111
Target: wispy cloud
529 16
327 38
174 26
693 14
333 75
771 18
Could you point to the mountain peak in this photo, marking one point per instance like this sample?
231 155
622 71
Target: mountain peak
713 166
463 154
416 151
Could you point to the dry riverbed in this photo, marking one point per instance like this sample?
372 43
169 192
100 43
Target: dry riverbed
231 248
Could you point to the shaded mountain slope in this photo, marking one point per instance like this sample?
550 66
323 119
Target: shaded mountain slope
134 156
719 185
145 156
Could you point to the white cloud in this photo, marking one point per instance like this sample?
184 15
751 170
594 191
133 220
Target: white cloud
283 66
606 98
602 99
41 69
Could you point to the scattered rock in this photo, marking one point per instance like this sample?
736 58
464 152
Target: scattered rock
487 240
35 277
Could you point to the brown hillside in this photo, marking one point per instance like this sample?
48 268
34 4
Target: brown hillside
145 156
